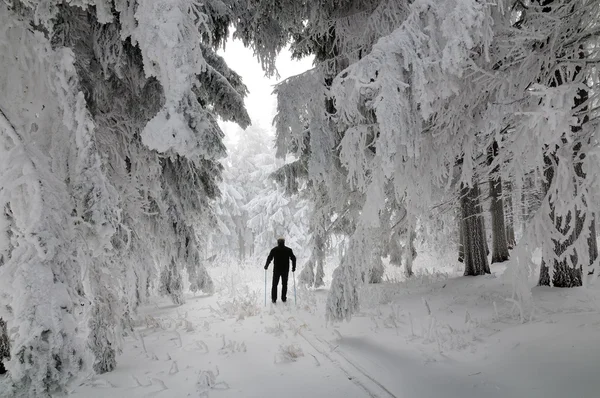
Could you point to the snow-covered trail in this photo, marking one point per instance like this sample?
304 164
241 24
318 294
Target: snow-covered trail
197 348
431 337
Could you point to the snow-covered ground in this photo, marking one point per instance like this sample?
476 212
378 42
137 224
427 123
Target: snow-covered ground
436 335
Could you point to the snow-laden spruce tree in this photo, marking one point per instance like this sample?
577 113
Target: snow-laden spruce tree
307 122
452 98
42 289
232 233
357 150
110 157
441 83
562 108
254 210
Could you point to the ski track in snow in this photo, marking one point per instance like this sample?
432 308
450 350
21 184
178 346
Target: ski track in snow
376 389
353 371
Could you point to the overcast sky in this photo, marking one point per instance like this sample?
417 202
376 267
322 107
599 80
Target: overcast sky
260 102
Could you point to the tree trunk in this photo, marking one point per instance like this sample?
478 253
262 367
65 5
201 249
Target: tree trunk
461 238
479 210
377 269
319 261
593 244
509 217
474 241
4 345
411 252
395 250
171 283
499 242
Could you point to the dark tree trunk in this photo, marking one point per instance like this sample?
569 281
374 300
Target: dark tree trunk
482 220
499 242
509 216
593 242
461 238
4 345
474 242
4 257
395 250
411 252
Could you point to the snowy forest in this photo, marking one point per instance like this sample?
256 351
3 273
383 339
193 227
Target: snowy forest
436 173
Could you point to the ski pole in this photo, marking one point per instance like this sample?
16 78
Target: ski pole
294 276
265 288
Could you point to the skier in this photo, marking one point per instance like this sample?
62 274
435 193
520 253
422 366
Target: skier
281 267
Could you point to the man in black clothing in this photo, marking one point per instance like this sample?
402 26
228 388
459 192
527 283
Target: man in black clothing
281 254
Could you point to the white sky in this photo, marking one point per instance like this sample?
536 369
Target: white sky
260 102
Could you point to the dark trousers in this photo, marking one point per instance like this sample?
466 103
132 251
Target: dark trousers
284 278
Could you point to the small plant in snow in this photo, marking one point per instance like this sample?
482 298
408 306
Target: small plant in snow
446 337
207 380
393 320
427 306
231 347
275 330
243 307
152 323
184 322
289 353
294 326
202 346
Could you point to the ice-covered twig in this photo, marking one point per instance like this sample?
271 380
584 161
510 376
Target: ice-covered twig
202 346
160 383
174 368
519 307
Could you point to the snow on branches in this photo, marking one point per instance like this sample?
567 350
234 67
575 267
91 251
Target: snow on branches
109 144
411 115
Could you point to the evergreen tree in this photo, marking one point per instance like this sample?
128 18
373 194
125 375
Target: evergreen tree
255 209
572 246
119 146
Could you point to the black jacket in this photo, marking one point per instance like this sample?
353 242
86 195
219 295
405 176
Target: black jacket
281 255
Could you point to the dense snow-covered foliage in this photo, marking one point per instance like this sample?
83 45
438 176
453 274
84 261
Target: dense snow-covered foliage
109 151
407 111
254 210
